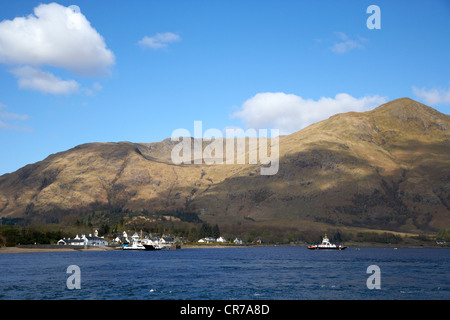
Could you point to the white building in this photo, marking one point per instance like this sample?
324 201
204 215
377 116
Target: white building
207 240
135 237
77 241
221 239
96 241
122 239
166 240
84 241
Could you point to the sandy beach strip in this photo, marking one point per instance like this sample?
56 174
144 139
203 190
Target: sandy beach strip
56 249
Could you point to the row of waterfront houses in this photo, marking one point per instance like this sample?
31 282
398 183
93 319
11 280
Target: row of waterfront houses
164 239
95 240
84 241
218 240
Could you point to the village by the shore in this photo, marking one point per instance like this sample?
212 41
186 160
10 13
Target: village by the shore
92 242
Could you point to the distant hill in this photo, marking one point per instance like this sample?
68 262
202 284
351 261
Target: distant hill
388 168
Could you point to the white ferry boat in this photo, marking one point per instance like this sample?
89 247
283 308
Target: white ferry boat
151 245
142 245
134 246
326 245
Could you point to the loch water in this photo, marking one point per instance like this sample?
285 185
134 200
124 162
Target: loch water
246 273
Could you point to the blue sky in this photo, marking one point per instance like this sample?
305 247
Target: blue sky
138 70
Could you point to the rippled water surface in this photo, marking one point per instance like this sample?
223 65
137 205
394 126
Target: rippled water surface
259 273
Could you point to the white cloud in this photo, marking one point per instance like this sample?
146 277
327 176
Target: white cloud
290 113
54 36
433 96
7 116
45 82
91 91
159 41
4 126
346 44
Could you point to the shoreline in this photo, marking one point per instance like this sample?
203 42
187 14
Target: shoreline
56 248
37 248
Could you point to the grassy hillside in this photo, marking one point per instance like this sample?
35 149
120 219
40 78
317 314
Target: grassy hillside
385 169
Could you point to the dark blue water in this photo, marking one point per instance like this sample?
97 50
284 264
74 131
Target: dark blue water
260 273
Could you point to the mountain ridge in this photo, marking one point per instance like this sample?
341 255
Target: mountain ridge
386 168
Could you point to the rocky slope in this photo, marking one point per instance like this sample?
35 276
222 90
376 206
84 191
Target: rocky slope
388 168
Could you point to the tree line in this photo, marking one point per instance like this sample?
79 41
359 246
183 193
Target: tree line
13 235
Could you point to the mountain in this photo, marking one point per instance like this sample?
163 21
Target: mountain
388 168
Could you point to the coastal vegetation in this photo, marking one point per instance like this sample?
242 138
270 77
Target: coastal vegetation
443 235
386 169
11 236
379 176
190 233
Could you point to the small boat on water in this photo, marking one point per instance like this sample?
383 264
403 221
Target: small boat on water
152 247
133 246
326 245
141 246
149 244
